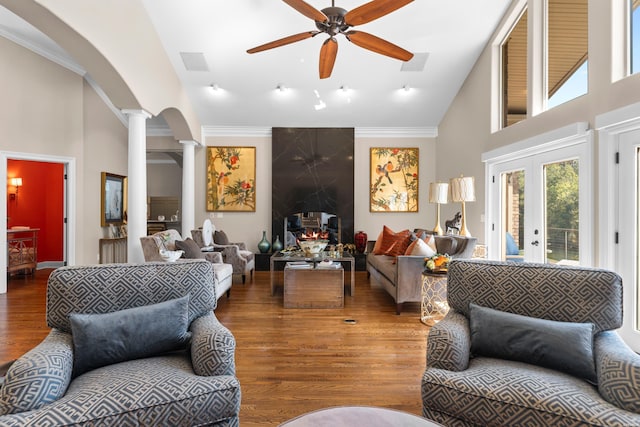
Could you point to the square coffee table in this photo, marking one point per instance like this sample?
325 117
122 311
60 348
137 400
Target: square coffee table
313 287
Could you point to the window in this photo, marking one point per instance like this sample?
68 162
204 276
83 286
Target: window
567 50
514 73
635 36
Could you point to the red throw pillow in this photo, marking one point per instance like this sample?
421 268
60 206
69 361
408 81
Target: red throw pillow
394 244
376 247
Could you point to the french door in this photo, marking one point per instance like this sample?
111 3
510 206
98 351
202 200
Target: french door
539 207
627 253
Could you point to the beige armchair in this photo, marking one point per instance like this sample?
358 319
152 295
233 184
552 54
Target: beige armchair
167 239
236 254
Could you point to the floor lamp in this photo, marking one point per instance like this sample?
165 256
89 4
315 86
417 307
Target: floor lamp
438 193
463 190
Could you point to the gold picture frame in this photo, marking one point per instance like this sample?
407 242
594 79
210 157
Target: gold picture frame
231 179
393 179
112 199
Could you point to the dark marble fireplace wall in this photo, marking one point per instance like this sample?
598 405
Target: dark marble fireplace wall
312 172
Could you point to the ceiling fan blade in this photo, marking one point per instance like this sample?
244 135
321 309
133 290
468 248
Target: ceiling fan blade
373 10
307 10
328 54
378 45
284 41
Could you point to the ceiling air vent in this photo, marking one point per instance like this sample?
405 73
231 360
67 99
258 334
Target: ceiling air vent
194 61
416 63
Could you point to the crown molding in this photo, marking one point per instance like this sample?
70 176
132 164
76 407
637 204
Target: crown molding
361 132
58 59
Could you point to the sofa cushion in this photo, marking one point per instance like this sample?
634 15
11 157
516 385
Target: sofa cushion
134 333
391 241
420 247
446 244
190 248
563 346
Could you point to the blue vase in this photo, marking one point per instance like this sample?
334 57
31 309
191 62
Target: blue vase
277 245
264 244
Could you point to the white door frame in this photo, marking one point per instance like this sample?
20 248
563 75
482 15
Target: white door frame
573 141
69 234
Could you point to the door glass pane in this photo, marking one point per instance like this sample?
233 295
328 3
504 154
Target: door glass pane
562 212
513 215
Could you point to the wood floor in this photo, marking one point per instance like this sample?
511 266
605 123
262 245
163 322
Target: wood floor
288 361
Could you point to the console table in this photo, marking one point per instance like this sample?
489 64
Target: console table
22 250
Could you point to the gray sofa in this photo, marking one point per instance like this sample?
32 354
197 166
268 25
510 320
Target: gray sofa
401 276
185 387
463 389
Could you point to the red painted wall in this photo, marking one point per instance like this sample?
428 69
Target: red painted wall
39 204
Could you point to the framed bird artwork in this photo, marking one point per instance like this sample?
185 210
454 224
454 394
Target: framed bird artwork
231 179
394 178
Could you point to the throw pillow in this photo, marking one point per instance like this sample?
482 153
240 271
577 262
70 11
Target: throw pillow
220 238
134 333
563 346
190 248
377 245
447 245
431 241
420 247
391 238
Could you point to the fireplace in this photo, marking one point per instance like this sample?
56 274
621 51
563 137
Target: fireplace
312 179
312 226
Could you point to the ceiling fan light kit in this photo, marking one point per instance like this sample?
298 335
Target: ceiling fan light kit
336 20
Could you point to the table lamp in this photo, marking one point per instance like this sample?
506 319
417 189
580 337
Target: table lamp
463 190
438 192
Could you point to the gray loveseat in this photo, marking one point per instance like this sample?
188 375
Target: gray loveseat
401 276
463 389
193 386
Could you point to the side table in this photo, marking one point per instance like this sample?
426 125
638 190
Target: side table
434 298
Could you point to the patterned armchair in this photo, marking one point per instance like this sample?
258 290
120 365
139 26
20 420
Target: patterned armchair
235 254
193 386
166 239
463 389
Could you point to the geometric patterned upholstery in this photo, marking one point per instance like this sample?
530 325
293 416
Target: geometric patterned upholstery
461 390
196 386
562 293
111 287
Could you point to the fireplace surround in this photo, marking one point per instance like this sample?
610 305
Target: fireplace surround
312 172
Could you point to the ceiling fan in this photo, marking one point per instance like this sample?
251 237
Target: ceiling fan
336 20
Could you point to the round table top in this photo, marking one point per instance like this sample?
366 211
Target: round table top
348 416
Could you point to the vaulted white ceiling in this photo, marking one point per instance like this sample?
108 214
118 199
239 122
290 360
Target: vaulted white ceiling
450 34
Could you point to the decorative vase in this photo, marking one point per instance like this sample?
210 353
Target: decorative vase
277 245
361 241
264 245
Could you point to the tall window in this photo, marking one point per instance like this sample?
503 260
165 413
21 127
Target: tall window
514 73
635 35
567 50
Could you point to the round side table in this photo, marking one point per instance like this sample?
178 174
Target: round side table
434 298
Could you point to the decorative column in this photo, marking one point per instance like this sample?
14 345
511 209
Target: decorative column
136 184
188 187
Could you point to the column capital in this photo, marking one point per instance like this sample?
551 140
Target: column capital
189 142
130 112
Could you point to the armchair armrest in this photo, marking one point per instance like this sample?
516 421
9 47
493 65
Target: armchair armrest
449 343
231 254
241 245
618 370
40 376
212 347
214 257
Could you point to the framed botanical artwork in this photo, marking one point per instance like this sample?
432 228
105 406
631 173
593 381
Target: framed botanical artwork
112 199
231 179
394 177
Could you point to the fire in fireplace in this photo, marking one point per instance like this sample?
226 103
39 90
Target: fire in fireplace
311 226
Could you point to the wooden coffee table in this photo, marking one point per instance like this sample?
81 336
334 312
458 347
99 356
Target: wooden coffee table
313 287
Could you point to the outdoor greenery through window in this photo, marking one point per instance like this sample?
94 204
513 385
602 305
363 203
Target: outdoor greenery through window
562 211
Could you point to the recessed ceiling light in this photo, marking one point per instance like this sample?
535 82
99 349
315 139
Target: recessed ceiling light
215 87
281 87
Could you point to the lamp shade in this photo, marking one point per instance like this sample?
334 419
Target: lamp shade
438 192
16 182
463 189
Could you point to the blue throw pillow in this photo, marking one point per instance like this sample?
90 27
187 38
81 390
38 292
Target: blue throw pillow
563 346
134 333
512 248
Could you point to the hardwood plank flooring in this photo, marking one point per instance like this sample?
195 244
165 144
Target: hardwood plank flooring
288 361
